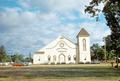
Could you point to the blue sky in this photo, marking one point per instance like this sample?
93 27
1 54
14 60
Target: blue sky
28 25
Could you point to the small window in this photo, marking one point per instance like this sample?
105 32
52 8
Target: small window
84 44
39 59
85 58
74 57
49 58
69 57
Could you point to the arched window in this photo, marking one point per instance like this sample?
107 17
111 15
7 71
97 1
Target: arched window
74 57
39 59
49 58
69 57
54 58
84 44
85 58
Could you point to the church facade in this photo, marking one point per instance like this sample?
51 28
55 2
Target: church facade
64 51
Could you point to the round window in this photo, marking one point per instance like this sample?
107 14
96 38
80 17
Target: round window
61 44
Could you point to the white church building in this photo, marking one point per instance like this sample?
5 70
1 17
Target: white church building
64 51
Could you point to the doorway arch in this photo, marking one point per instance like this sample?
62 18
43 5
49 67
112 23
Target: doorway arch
62 59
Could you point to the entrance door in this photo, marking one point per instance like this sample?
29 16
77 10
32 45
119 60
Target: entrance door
62 59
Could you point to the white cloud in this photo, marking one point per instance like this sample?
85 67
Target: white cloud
97 31
13 18
31 30
56 6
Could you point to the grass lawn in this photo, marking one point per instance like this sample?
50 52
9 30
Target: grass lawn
81 72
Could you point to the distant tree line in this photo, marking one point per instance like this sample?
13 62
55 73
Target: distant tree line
16 57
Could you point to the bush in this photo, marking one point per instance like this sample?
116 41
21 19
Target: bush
81 62
63 63
95 62
52 63
87 63
58 63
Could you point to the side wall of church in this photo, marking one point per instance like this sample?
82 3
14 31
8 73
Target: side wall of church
39 59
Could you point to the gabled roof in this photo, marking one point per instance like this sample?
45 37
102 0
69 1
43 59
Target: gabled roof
63 37
83 32
55 43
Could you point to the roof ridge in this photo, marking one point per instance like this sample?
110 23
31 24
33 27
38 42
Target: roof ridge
62 36
83 32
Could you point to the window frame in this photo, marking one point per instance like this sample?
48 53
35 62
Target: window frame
84 44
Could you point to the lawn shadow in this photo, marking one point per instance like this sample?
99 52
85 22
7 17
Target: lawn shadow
60 72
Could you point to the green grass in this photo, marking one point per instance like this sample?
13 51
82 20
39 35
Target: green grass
81 72
63 79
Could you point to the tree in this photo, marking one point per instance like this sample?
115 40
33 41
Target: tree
29 58
7 58
94 48
97 52
110 51
17 58
2 53
111 10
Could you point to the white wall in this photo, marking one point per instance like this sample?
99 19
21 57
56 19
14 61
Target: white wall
84 54
54 49
39 59
69 49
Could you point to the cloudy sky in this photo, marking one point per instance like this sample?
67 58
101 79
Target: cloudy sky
28 25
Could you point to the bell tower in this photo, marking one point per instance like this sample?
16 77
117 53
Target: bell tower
83 47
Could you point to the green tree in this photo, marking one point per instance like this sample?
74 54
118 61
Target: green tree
17 58
94 48
101 54
111 11
7 58
29 58
97 52
2 53
111 55
110 52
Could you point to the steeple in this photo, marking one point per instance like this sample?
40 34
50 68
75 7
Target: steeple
83 46
83 32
